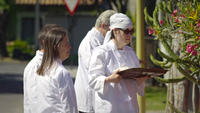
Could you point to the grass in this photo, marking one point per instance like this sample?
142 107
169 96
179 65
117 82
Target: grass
155 98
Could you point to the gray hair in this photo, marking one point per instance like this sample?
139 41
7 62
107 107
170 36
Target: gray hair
104 17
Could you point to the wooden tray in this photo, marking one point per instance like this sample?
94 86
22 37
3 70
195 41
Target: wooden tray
141 72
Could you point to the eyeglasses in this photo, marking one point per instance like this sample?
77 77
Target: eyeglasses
126 31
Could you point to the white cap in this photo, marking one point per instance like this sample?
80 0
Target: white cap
118 20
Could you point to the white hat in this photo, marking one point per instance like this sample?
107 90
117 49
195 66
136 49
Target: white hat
118 20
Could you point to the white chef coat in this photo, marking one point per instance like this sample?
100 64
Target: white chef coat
83 92
29 83
114 97
56 91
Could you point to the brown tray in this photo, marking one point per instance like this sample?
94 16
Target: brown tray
141 72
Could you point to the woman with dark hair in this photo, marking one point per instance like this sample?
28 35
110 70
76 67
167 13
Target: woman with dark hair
30 74
113 94
55 87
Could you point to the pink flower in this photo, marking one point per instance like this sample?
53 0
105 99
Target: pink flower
180 31
197 31
195 46
174 13
189 48
161 22
151 31
194 53
183 16
176 19
198 21
198 25
199 37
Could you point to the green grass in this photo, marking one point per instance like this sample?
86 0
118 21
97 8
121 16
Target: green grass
155 98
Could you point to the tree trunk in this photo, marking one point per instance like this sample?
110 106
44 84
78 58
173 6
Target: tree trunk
183 95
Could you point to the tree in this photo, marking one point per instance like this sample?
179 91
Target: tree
179 33
117 5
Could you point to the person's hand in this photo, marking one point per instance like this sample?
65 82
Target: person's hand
115 78
140 80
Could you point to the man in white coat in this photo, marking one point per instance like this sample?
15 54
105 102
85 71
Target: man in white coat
113 94
29 76
94 38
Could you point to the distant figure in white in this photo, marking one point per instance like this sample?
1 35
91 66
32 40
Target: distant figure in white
94 38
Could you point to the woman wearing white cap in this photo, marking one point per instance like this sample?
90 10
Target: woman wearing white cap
113 94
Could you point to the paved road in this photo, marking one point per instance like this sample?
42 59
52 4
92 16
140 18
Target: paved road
11 86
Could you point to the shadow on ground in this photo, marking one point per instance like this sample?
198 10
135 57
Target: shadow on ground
12 83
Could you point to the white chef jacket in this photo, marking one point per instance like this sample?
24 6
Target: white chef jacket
83 92
114 97
29 83
56 91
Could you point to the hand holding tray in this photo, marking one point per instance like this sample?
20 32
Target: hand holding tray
132 73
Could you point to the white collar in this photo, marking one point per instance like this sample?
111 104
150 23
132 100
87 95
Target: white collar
97 33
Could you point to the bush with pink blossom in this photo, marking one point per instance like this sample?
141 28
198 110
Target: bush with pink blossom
182 18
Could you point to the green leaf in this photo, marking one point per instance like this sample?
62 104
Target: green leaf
190 40
187 32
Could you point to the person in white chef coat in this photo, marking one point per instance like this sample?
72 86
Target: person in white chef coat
94 38
55 90
113 94
29 80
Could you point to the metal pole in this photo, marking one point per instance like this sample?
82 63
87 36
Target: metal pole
140 46
36 23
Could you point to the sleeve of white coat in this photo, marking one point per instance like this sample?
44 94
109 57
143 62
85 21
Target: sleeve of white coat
85 54
97 72
67 93
140 89
26 103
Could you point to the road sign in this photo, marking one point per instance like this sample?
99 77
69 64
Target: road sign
71 5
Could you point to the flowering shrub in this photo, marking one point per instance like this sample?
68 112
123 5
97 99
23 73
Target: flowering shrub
183 19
